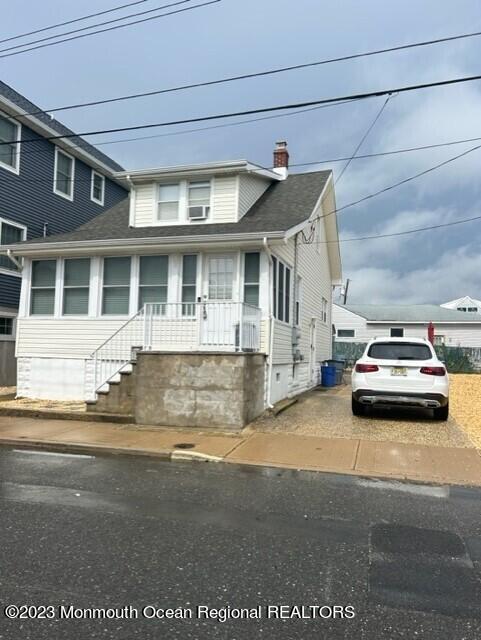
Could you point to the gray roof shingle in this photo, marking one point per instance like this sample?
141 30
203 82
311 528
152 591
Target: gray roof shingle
22 102
283 205
410 313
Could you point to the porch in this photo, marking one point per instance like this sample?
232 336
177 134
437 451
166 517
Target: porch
230 327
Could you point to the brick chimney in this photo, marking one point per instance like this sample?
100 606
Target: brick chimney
281 159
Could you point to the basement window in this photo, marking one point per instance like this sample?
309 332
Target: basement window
6 326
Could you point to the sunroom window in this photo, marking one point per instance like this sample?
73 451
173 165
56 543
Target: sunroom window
189 284
76 282
251 278
168 204
116 286
153 280
9 147
42 298
199 200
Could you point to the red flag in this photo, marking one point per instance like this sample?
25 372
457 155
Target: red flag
431 333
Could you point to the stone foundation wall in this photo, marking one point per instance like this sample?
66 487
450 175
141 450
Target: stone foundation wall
205 390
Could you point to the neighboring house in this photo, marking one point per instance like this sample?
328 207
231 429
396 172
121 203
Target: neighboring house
361 322
217 258
46 187
466 304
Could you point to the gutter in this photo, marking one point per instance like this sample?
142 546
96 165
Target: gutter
76 245
271 327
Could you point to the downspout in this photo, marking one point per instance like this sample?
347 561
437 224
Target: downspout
14 260
271 327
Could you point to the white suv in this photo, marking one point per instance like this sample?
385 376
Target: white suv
403 372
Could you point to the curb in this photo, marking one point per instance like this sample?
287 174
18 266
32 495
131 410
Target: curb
73 447
53 414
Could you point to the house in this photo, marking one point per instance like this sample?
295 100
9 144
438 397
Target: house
222 270
46 187
465 304
361 322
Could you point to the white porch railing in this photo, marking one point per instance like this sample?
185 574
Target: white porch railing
196 326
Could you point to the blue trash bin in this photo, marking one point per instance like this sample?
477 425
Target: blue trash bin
328 376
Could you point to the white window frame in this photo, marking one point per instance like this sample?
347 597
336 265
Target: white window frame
353 333
133 285
8 337
56 288
396 329
4 165
23 228
324 310
70 196
63 287
291 321
92 179
199 183
158 201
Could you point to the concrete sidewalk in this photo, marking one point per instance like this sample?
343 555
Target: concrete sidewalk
421 463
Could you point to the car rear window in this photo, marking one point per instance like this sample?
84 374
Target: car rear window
399 351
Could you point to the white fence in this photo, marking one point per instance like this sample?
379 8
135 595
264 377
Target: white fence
196 326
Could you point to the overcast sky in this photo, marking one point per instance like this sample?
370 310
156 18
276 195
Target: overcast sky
242 36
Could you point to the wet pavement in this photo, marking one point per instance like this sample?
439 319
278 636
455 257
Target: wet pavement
115 532
327 413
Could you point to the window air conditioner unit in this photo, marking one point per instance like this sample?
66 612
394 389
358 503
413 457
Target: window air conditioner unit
200 212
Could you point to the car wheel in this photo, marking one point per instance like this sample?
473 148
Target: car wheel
358 409
442 413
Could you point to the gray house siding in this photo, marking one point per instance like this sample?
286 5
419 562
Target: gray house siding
9 291
28 198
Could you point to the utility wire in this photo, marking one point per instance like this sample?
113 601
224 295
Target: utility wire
258 73
397 184
284 107
401 233
198 129
92 26
118 26
362 140
376 155
63 24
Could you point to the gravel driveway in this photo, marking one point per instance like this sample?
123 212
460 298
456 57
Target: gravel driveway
327 413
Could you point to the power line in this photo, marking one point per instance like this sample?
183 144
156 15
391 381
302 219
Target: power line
382 153
397 184
284 107
63 24
401 233
258 74
369 129
198 129
119 26
92 26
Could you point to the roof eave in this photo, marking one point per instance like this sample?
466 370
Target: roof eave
12 109
209 168
73 246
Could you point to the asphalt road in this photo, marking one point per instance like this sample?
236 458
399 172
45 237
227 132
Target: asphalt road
109 533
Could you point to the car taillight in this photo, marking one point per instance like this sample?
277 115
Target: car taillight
433 371
366 368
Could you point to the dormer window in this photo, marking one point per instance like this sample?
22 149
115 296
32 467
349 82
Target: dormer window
198 200
168 203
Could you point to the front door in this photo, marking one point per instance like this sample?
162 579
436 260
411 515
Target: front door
219 310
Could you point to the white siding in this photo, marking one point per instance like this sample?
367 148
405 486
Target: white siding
250 189
344 319
224 199
144 214
63 337
313 269
224 202
456 334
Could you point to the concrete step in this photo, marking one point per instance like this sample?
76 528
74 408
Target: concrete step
54 414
